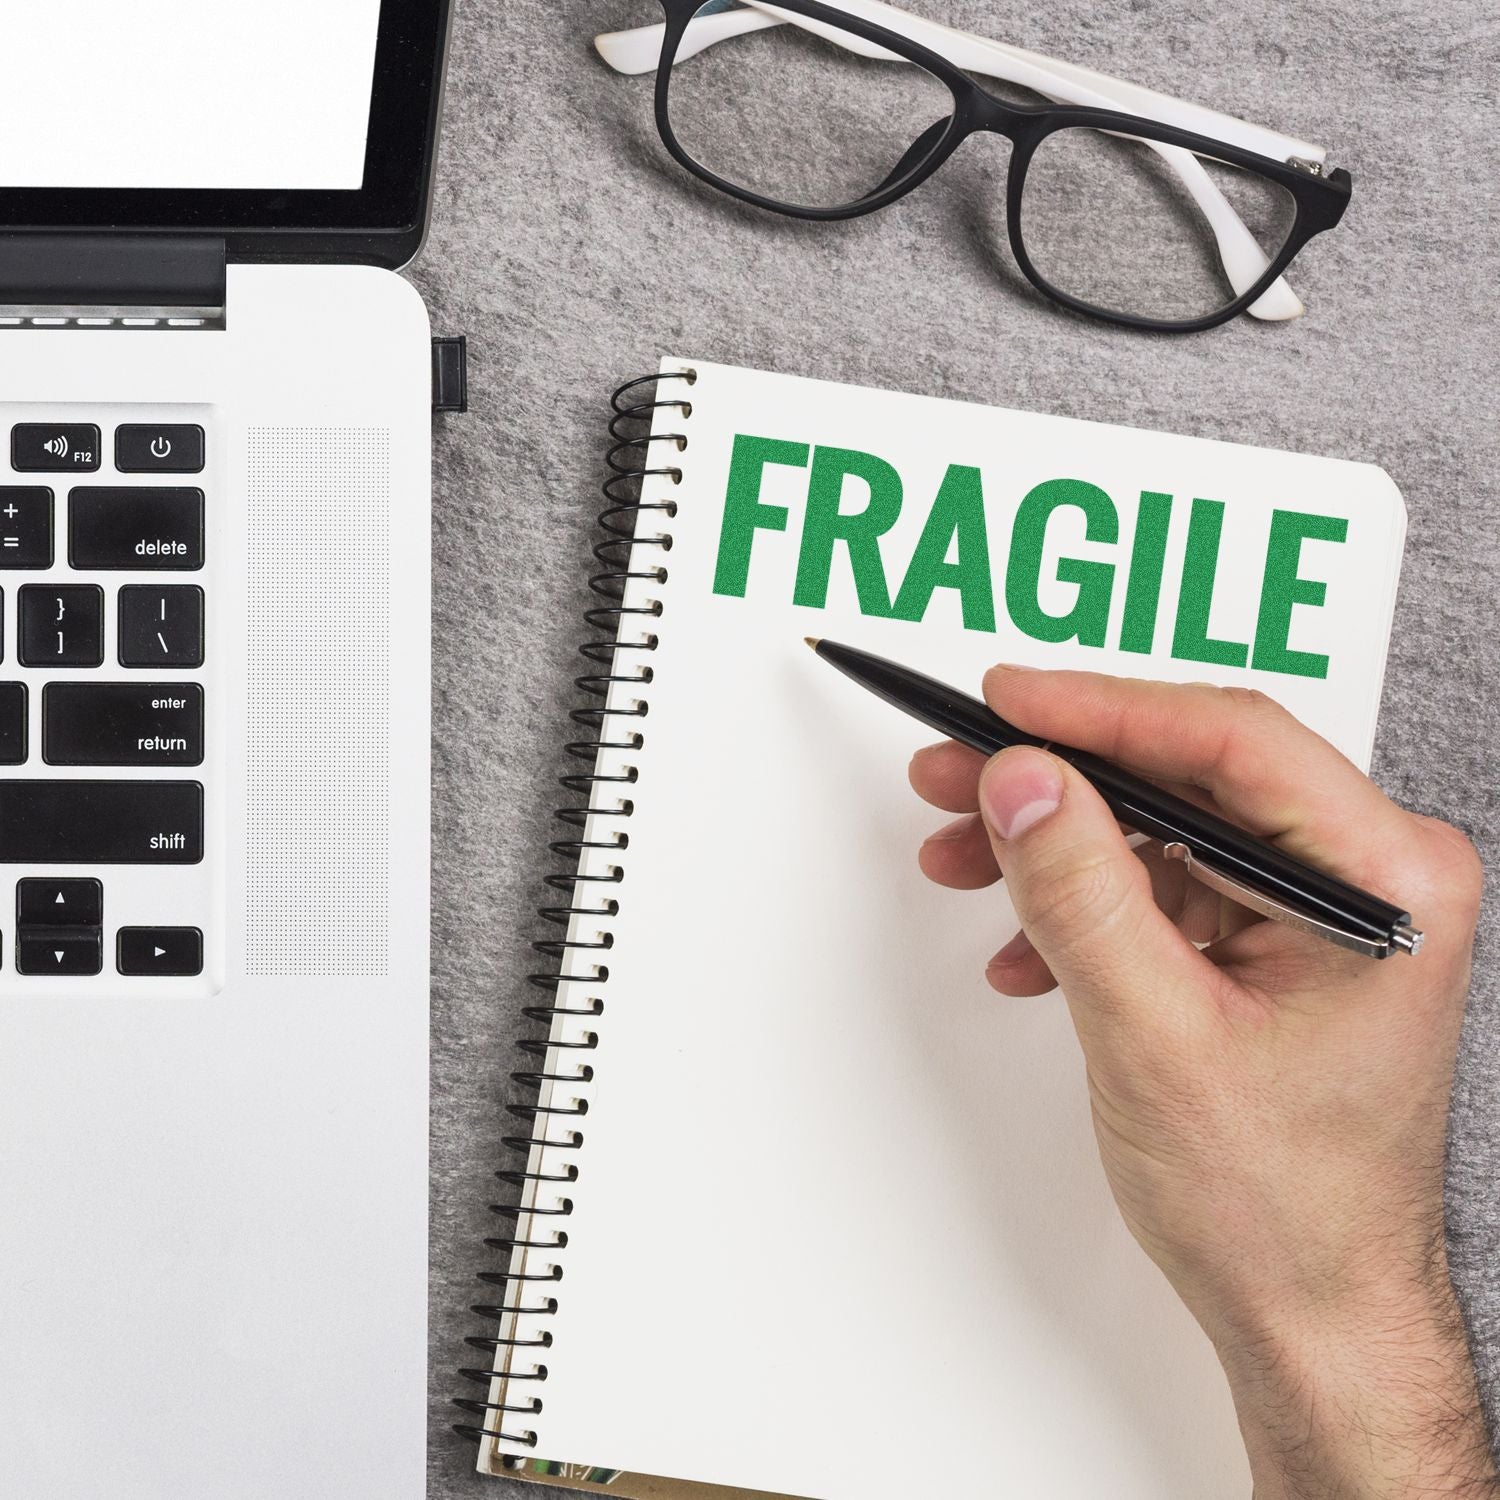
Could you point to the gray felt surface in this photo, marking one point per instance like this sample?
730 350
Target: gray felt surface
573 253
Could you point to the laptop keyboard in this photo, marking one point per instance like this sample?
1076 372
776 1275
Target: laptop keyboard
107 682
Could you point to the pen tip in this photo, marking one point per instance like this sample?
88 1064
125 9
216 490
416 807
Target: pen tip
812 641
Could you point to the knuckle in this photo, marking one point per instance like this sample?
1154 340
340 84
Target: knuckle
1073 895
1460 868
1242 758
1251 699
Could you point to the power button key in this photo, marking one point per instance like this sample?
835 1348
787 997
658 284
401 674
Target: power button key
155 448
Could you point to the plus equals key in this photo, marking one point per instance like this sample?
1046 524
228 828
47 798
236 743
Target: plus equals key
25 526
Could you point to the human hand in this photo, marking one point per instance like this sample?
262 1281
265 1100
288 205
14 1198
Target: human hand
1270 1110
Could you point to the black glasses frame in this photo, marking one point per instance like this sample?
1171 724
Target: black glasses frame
1319 200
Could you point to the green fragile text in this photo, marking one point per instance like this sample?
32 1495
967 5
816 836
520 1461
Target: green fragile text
953 552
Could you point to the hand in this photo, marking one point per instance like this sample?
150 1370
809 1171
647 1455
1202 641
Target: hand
1271 1109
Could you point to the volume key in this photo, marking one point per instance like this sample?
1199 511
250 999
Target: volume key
54 447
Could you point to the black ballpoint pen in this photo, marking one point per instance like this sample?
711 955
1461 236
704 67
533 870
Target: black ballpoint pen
1237 864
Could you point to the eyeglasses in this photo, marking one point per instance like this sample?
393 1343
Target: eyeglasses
1121 203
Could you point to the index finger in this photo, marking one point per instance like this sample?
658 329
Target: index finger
1265 770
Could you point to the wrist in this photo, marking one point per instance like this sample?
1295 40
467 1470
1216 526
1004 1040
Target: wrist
1374 1399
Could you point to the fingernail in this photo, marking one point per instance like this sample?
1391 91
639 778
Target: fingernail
1013 952
1019 788
949 831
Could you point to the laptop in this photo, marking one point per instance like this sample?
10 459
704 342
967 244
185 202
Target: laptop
215 441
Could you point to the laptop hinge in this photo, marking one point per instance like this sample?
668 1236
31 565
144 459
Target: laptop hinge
111 280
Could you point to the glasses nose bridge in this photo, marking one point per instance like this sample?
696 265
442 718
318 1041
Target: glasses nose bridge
980 113
992 116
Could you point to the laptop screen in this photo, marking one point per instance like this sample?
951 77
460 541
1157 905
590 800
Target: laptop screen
186 93
294 129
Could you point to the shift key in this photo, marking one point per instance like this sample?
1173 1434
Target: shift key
137 528
101 822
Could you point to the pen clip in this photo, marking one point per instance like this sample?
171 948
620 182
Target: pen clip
1268 906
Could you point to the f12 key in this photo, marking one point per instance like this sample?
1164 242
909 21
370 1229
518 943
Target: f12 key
52 447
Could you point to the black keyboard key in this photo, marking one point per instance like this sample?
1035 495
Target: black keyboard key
159 950
52 447
61 625
25 526
101 822
161 626
158 449
135 529
63 950
70 902
13 725
122 724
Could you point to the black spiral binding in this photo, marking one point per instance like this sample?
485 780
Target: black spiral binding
631 462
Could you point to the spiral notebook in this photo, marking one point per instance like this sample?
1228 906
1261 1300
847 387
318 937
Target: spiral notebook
804 1208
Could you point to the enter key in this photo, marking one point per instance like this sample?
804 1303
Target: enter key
122 724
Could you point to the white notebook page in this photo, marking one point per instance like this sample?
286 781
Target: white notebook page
840 1220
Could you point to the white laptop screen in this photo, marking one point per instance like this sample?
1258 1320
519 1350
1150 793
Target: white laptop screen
186 94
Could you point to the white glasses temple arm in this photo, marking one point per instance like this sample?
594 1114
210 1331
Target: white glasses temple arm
638 51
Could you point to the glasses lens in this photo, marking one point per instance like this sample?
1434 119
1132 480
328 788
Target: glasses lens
1128 226
805 118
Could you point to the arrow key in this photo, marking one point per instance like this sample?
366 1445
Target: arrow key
59 903
159 951
59 950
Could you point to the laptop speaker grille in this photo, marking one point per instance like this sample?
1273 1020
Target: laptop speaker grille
318 773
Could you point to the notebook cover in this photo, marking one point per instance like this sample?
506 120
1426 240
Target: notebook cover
590 1479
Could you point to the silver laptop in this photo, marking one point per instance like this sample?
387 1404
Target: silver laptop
215 408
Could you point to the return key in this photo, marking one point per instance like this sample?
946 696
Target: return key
122 724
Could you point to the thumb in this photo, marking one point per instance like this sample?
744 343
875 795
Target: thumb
1085 900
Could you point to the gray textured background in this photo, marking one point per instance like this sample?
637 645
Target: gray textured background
573 254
